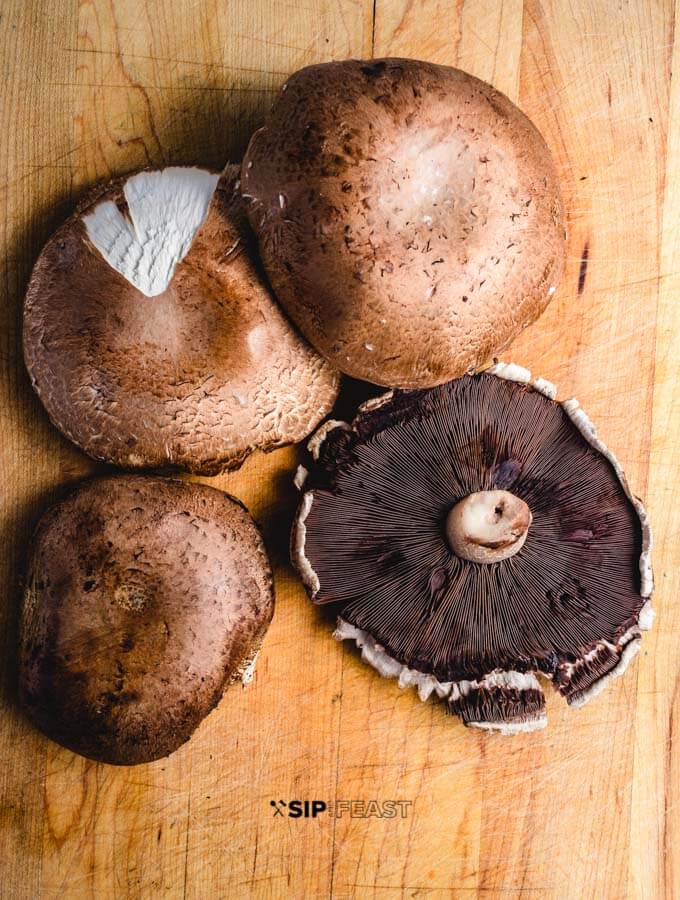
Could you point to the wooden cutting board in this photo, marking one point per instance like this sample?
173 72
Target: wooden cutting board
589 807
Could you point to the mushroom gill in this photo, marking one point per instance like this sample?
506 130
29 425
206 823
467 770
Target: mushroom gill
373 536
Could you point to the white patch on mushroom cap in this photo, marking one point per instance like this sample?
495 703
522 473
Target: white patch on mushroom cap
376 655
304 567
300 477
573 409
646 617
513 372
315 442
375 403
512 727
630 651
166 209
519 681
248 673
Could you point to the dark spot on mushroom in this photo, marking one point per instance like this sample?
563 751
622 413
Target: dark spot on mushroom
505 473
374 69
548 663
389 559
487 447
567 605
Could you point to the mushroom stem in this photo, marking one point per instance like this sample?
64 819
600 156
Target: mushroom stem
488 526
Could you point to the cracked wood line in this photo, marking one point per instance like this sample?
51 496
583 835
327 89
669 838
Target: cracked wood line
587 808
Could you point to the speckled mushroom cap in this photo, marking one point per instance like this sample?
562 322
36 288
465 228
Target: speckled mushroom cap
476 626
408 214
151 337
144 598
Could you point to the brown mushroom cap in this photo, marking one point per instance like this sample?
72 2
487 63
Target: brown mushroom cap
144 598
372 536
198 374
408 214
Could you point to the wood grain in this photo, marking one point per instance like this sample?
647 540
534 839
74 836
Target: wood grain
588 808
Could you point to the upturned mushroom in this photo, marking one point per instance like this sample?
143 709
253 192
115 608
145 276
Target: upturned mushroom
145 597
473 537
408 215
152 338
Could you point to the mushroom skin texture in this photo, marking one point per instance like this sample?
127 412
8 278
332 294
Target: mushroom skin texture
409 217
152 338
373 537
145 597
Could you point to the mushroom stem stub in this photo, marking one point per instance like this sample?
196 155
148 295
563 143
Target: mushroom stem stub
488 526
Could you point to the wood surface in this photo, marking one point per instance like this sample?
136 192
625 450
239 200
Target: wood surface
588 808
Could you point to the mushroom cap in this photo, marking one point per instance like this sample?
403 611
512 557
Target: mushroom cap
144 598
371 537
408 214
151 336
